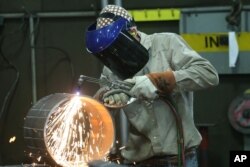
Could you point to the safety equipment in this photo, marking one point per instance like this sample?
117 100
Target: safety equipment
116 48
164 81
110 13
115 94
100 92
116 98
143 88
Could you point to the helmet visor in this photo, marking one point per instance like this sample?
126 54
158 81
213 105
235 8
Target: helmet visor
117 49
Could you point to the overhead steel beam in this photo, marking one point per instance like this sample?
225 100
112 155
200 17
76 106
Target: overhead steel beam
49 14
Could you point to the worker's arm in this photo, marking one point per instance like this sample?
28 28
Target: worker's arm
190 71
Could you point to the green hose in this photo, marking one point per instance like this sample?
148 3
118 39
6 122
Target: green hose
180 133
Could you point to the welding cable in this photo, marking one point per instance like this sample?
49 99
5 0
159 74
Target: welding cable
180 133
179 127
65 53
10 65
9 94
35 33
13 87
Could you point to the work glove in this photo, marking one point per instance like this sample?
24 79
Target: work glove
116 98
143 88
100 92
163 81
152 85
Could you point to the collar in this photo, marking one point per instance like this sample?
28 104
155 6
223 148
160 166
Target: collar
145 40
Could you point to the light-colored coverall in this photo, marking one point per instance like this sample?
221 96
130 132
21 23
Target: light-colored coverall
152 124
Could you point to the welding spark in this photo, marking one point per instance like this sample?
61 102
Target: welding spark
12 139
39 158
69 134
123 147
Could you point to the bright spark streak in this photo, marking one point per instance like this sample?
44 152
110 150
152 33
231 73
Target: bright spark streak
12 139
123 147
39 159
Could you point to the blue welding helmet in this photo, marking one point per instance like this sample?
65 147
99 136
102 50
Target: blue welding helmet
116 48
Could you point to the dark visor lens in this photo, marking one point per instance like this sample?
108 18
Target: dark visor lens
125 56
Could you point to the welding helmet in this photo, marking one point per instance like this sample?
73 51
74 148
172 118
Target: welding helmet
115 47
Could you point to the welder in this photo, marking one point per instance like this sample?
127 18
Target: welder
164 71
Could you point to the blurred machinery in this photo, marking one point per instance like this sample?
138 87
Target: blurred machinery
68 130
239 116
219 34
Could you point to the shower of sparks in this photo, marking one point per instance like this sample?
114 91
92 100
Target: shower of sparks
12 139
69 134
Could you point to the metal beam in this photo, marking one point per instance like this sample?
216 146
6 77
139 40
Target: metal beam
49 14
33 59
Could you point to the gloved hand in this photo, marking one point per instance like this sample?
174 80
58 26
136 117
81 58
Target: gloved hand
163 81
143 88
116 98
99 94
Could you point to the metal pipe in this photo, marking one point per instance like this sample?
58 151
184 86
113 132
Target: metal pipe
50 14
33 59
12 15
123 118
66 14
124 128
118 2
104 3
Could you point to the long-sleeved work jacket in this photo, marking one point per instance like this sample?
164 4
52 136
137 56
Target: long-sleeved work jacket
152 124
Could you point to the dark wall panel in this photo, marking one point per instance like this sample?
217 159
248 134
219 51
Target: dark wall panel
14 43
211 108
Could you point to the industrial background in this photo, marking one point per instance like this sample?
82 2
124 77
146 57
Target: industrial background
53 31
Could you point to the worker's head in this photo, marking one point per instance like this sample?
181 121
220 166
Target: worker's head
111 13
114 40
